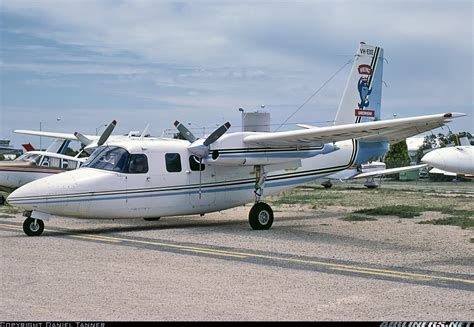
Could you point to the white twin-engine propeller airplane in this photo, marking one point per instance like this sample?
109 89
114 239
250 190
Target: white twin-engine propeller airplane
152 178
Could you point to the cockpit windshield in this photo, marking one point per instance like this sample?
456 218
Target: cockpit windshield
117 159
33 158
109 158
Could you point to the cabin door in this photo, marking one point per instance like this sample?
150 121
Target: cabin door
202 190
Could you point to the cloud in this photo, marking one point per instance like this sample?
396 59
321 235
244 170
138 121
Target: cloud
203 60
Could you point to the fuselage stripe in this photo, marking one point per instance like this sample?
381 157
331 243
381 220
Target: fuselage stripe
275 180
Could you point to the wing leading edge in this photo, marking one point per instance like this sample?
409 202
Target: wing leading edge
393 130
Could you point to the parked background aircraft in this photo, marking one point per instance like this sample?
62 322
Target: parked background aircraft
452 161
150 178
34 165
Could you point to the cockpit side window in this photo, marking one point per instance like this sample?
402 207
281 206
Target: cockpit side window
173 162
138 164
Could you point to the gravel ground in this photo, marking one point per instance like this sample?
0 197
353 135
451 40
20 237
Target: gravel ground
70 277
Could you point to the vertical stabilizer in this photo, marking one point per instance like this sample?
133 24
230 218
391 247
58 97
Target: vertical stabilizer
362 96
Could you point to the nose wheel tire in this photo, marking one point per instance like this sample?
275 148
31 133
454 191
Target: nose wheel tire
261 216
33 227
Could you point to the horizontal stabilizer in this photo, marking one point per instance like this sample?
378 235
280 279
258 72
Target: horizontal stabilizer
390 171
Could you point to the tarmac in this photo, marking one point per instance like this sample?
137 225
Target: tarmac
308 266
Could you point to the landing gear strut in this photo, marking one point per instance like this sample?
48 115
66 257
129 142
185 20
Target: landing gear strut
260 215
33 227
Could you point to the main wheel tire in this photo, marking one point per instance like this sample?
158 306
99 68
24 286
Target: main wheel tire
2 200
261 216
152 219
33 227
327 184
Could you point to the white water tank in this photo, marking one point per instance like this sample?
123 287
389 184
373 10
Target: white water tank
257 121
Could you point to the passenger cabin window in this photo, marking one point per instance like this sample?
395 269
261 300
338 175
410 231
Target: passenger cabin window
51 162
173 162
138 164
194 164
45 162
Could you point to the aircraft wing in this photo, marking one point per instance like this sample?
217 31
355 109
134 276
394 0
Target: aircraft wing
393 130
389 171
64 136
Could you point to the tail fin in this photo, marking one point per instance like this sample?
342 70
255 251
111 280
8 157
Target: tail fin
28 147
461 139
363 93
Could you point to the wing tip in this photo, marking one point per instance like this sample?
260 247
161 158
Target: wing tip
454 114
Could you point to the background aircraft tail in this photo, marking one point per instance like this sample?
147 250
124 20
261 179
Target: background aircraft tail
363 92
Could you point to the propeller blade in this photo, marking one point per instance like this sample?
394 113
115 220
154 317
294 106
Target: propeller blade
84 140
105 135
185 132
216 134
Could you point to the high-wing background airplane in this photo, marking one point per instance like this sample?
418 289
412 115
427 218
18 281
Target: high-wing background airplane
151 178
34 165
89 142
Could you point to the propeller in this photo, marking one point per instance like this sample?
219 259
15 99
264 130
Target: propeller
201 147
89 144
185 132
105 135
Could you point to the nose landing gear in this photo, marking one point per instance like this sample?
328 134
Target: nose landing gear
33 227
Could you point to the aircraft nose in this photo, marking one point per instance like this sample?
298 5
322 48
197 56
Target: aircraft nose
35 195
435 158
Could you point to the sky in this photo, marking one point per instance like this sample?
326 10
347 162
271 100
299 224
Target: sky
77 65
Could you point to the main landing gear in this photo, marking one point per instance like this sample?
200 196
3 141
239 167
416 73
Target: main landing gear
261 214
